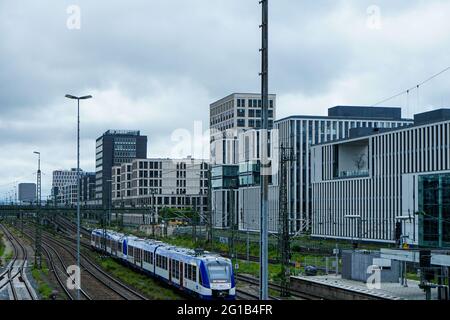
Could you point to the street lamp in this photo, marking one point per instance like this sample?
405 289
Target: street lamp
37 256
78 179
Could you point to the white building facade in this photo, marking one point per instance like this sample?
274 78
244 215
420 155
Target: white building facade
171 183
362 187
299 133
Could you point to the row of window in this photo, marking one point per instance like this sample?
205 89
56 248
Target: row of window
150 165
252 103
149 174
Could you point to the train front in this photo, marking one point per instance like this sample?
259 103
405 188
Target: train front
221 279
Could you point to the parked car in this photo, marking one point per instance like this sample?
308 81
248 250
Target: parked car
310 270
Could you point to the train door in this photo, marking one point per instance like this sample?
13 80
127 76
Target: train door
170 269
125 248
181 274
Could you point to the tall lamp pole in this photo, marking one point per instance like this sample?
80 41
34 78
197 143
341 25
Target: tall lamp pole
37 256
78 179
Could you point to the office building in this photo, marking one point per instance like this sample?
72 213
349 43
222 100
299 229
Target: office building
236 182
239 112
64 189
299 133
60 179
386 185
171 183
113 148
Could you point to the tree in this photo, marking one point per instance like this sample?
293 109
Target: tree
360 161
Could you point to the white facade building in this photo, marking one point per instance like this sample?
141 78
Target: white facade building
299 133
364 185
172 183
61 179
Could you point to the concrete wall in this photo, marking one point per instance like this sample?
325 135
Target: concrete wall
355 266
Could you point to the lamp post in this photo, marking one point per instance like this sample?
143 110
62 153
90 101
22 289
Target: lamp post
78 179
37 256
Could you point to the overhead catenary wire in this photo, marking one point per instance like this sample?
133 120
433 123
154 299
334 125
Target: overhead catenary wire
407 91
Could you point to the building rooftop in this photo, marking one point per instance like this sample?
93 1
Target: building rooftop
122 132
239 93
432 116
420 119
357 113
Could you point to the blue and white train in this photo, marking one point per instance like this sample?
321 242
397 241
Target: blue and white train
203 275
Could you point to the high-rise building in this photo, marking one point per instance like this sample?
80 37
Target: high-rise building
230 117
60 179
114 148
299 133
27 192
64 187
239 112
386 184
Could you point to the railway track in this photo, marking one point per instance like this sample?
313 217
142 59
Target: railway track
276 287
101 285
28 293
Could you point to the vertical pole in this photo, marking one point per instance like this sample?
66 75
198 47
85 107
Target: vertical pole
78 193
336 252
109 218
37 256
153 212
263 279
248 246
210 213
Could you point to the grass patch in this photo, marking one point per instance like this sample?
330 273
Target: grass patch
252 268
2 245
143 283
44 289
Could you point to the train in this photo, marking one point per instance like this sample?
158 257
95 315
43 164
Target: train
200 274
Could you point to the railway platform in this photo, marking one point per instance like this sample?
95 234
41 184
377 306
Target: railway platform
339 288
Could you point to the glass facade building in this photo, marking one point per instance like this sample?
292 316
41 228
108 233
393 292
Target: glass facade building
434 210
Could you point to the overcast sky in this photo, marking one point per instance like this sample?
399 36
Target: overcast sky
156 65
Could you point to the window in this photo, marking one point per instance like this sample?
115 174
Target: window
218 272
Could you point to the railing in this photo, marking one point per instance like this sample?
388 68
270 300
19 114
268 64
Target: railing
353 173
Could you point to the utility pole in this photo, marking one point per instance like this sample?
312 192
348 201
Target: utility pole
37 254
210 213
232 226
194 219
153 212
264 259
283 225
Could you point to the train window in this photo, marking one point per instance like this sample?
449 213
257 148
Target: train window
194 273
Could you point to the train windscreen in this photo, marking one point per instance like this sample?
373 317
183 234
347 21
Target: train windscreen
219 272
